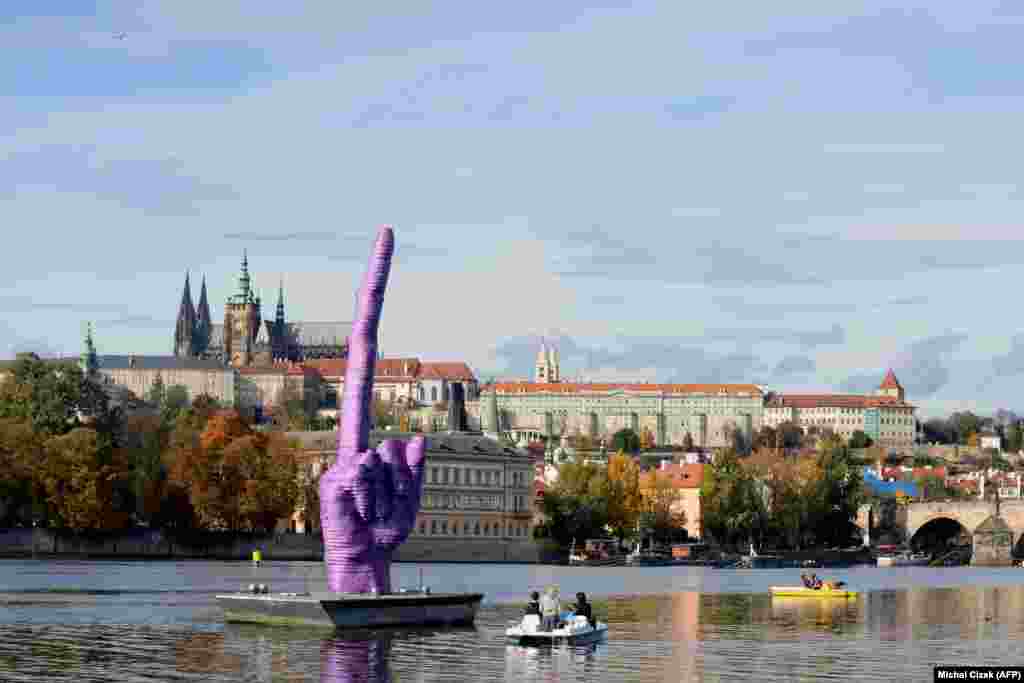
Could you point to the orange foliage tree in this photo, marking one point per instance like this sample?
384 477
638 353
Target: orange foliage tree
235 478
622 493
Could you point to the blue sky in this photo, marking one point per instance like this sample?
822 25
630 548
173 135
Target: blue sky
796 193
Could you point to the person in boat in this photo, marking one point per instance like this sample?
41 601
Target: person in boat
806 580
815 582
533 607
582 608
549 609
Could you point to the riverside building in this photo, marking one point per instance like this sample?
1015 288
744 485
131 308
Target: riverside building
886 417
551 407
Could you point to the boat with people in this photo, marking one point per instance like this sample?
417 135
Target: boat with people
545 623
573 631
813 587
804 592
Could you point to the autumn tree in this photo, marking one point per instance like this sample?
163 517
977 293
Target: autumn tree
622 493
21 458
646 439
660 515
79 478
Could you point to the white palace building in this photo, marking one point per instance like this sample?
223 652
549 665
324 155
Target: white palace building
709 413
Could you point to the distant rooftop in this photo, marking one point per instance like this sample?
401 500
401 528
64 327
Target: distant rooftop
124 362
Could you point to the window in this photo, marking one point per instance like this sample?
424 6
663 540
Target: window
420 394
447 473
423 527
444 527
455 528
433 527
457 471
433 475
487 529
433 394
476 531
479 477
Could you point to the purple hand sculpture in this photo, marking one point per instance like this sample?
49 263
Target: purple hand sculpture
368 498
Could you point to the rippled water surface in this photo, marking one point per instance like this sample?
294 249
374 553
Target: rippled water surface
136 621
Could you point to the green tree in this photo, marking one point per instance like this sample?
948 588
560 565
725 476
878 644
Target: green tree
922 460
860 439
733 502
626 440
157 391
1014 437
54 397
791 435
175 400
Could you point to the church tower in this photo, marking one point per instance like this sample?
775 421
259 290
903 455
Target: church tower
891 387
242 320
204 324
90 362
542 363
184 329
547 364
554 372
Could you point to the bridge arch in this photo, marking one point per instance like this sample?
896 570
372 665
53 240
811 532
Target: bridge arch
939 533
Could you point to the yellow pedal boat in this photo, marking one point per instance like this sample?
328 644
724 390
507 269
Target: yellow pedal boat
802 592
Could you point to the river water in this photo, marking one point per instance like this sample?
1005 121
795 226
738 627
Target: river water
87 621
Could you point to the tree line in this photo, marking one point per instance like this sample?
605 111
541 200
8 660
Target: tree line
798 501
71 459
589 500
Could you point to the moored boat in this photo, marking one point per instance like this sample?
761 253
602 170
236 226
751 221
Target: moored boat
804 592
575 631
904 560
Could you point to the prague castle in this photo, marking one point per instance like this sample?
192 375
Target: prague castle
245 339
548 406
706 413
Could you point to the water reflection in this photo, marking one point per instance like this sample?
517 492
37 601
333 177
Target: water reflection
359 657
683 636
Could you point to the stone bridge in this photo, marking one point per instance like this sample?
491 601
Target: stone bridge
995 529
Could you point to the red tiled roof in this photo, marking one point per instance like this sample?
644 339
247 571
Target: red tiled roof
279 369
385 367
448 371
839 401
574 388
890 381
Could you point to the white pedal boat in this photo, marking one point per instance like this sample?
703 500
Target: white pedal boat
575 631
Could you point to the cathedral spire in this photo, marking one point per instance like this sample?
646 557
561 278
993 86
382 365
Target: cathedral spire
185 326
204 324
279 313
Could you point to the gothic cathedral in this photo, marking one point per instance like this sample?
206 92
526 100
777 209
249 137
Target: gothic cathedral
245 339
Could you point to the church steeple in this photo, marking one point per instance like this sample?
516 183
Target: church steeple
244 281
90 361
279 312
184 329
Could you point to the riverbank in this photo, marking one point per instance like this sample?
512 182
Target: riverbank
146 544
